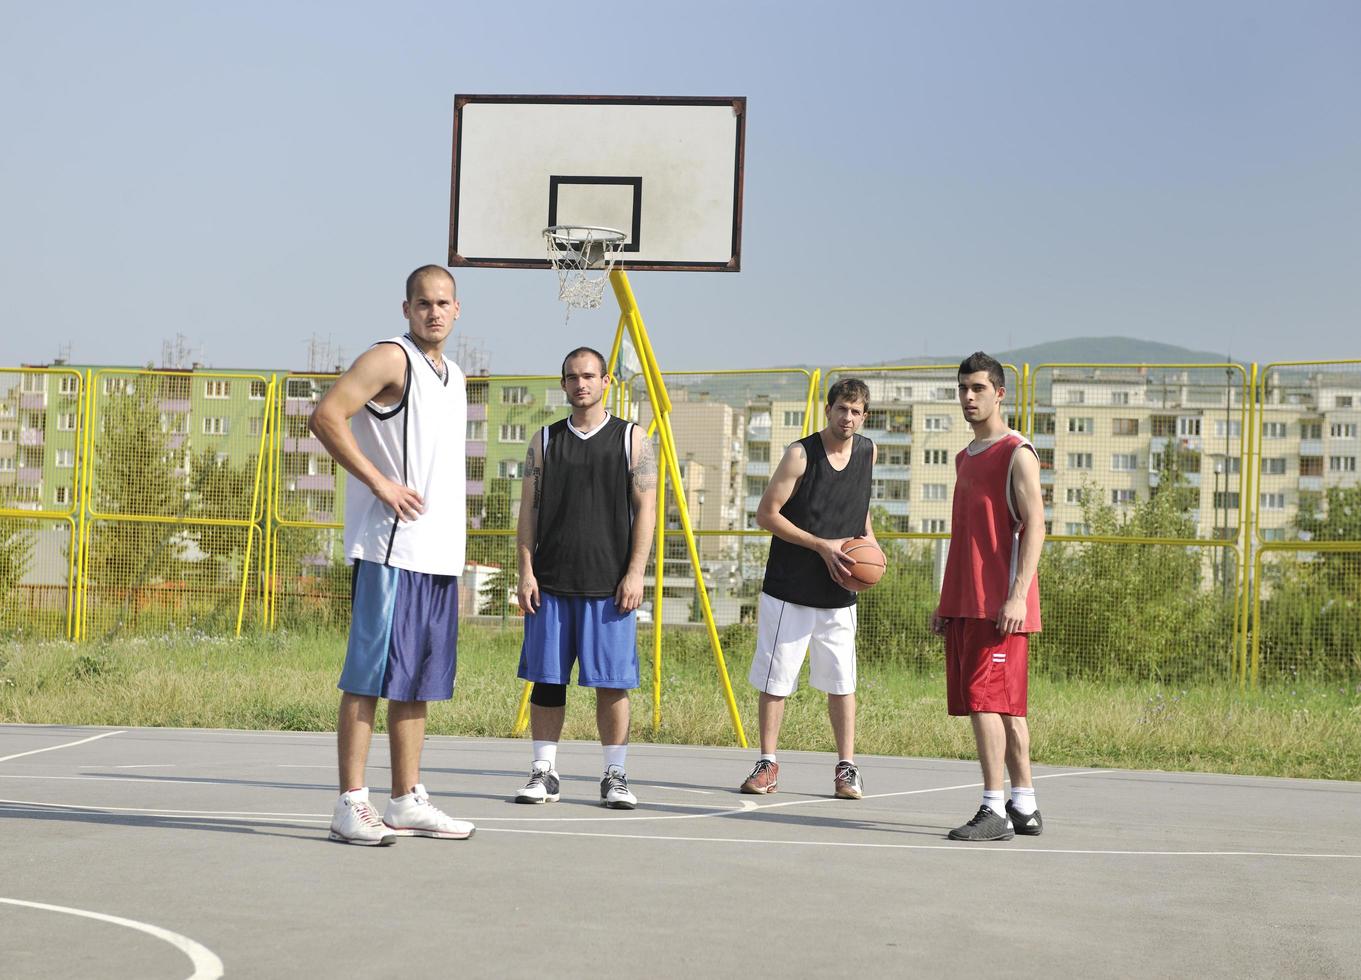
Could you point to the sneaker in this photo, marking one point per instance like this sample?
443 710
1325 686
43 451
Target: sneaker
764 779
543 787
985 825
1027 825
614 790
848 785
414 815
355 821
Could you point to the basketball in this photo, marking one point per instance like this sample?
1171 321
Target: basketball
869 563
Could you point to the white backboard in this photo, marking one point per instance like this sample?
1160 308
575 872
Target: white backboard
666 171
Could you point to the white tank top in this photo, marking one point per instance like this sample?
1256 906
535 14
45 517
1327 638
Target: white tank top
419 442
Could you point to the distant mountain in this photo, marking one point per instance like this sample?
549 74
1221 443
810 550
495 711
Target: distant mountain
1088 350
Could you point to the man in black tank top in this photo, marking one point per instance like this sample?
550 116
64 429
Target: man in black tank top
588 508
818 498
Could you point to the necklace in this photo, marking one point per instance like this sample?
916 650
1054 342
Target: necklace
440 369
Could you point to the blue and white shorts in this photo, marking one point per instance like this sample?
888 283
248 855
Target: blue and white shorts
588 630
403 634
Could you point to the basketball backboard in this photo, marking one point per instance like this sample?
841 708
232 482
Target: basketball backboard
666 171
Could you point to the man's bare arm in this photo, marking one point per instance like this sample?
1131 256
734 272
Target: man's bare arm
378 374
526 527
1029 497
782 485
643 495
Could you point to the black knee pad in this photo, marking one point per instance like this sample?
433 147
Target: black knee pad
548 695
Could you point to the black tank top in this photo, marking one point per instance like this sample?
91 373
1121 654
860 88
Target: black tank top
585 524
827 503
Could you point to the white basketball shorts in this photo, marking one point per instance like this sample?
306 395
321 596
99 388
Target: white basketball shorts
786 631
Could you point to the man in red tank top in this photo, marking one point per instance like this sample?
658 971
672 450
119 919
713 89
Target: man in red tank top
990 601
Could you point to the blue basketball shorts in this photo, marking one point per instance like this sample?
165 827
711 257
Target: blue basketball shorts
403 634
586 630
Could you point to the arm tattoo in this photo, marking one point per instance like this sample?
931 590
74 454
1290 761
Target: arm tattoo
643 476
534 473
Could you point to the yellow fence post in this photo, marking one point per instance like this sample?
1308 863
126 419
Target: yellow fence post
657 599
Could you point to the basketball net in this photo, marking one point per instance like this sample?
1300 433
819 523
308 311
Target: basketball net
582 256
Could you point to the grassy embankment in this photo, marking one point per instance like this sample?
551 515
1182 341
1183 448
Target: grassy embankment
287 681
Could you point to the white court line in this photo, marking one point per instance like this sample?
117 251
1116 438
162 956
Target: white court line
156 811
64 745
958 848
207 966
149 765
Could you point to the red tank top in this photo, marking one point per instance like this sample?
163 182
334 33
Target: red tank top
985 537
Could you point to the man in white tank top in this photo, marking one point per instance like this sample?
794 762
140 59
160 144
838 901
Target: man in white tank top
396 420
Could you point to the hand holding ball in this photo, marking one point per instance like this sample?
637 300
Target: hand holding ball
869 563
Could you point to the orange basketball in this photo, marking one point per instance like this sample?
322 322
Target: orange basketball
869 563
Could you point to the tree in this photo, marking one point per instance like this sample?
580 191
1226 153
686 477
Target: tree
16 556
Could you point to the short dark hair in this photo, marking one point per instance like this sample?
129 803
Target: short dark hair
978 361
584 350
849 390
428 270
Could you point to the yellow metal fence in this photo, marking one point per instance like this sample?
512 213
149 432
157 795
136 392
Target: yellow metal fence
1205 519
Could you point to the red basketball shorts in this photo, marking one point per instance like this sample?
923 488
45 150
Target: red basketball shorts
984 670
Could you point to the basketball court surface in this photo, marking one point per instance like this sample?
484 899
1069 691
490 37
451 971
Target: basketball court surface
160 853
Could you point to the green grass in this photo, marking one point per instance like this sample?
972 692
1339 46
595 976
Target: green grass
286 681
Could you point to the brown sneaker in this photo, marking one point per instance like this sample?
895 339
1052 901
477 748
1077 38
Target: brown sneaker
765 778
848 785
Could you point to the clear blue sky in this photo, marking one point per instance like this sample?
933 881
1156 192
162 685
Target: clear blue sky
920 177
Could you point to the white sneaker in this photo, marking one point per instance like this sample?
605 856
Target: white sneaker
355 821
614 790
543 786
414 815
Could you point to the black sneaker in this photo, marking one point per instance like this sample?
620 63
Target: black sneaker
985 825
1026 826
614 790
847 783
541 788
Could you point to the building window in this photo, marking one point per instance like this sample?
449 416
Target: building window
1163 425
1273 466
476 431
1124 461
758 452
34 383
1119 397
257 390
512 433
118 386
62 495
1341 464
6 464
1311 430
509 469
936 457
1273 430
933 525
257 426
1076 396
6 435
1273 501
215 425
1226 500
514 395
1311 466
1083 425
217 389
902 393
1079 461
1188 426
1273 534
793 419
943 394
65 459
1342 430
300 388
476 468
1231 427
554 398
1124 427
1077 528
1342 401
935 491
1075 495
1046 456
937 423
1044 424
1122 497
66 422
68 384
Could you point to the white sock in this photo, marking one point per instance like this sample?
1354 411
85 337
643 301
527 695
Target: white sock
614 755
992 799
546 752
768 756
1023 799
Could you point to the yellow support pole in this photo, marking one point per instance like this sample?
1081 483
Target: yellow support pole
661 407
522 712
1249 532
657 602
810 405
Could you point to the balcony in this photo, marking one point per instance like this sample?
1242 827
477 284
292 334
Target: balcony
477 411
898 508
1311 483
1311 447
298 406
303 444
751 503
31 437
758 467
177 405
30 476
33 400
886 438
894 471
474 488
319 481
758 433
476 447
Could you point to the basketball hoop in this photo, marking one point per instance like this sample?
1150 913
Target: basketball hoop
582 256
